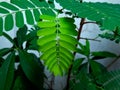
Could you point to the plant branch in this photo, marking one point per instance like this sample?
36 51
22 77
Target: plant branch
89 22
94 39
115 60
78 38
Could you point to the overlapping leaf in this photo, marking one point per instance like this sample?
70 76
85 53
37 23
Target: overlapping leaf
57 42
20 12
107 14
110 80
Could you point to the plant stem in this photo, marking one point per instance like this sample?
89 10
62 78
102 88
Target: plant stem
78 38
90 22
90 39
109 65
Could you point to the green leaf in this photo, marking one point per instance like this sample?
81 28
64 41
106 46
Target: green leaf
1 26
18 3
36 14
103 54
30 9
19 84
97 68
77 64
108 14
19 19
9 22
109 80
87 51
57 46
4 51
31 68
9 6
7 72
3 11
21 35
1 61
29 17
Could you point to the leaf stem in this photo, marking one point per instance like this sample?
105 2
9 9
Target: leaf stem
78 38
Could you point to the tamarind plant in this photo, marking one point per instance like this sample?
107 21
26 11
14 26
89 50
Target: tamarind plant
58 43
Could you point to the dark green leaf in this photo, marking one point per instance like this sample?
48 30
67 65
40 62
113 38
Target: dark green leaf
103 54
36 14
19 19
9 6
3 11
1 61
18 3
87 48
77 64
9 22
107 13
29 17
4 51
21 35
97 68
1 26
7 72
31 68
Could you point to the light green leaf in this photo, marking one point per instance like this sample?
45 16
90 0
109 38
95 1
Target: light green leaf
46 31
55 44
48 38
68 38
47 17
7 72
46 24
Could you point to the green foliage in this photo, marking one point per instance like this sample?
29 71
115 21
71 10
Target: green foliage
57 43
7 72
112 35
109 80
29 73
107 15
14 12
87 72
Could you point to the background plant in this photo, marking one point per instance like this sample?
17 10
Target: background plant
19 68
57 36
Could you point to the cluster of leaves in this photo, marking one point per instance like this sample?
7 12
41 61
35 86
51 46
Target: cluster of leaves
28 74
57 42
112 35
17 11
87 73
